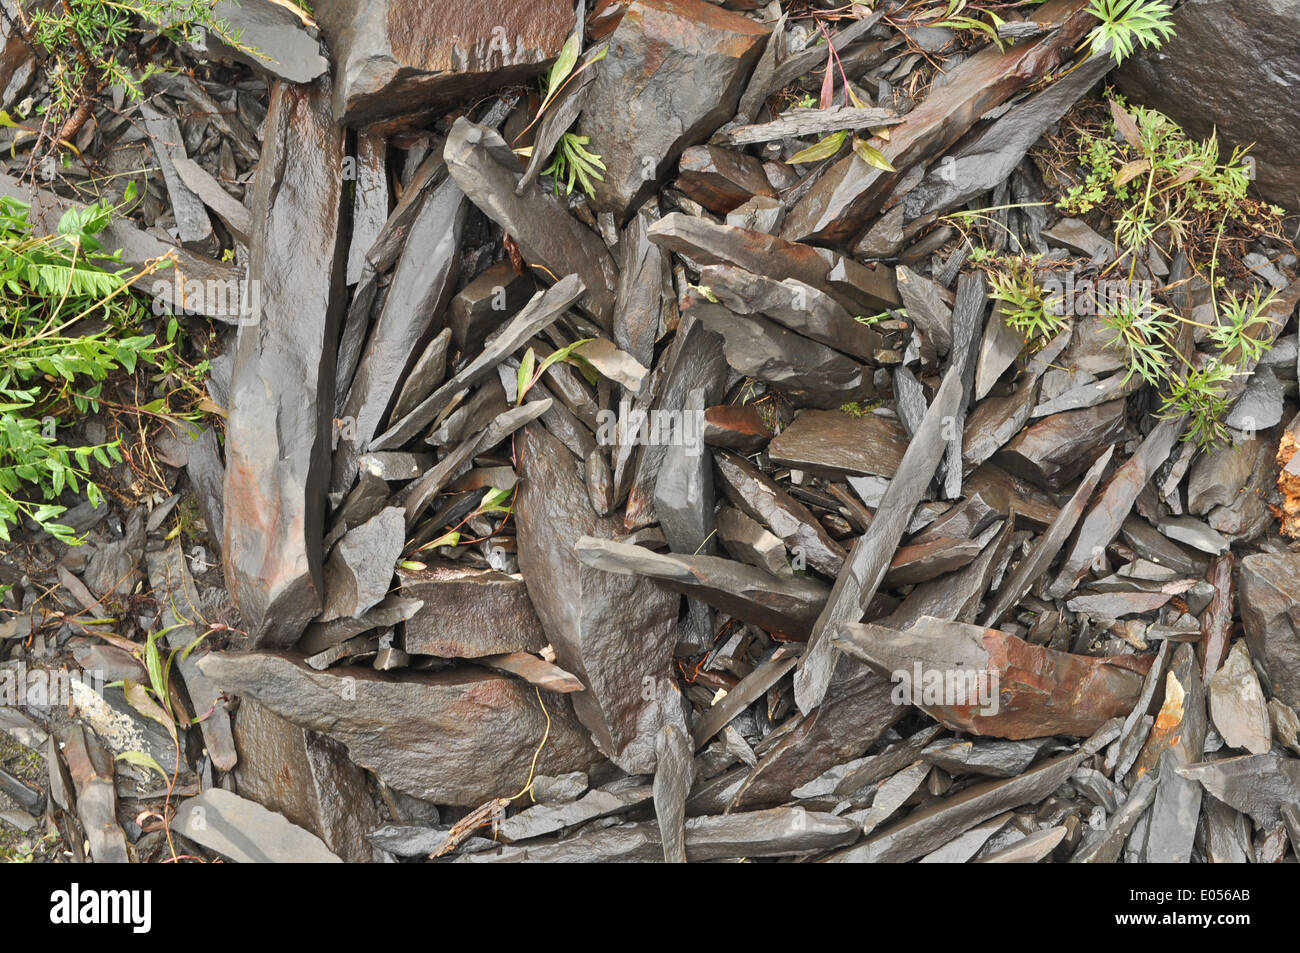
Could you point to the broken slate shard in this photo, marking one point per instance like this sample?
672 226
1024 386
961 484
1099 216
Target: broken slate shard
401 58
673 74
282 393
615 633
246 832
987 682
421 733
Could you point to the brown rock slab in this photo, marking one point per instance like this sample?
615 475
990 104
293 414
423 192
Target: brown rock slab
469 613
833 443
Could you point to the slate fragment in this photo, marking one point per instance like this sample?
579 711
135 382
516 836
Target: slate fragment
861 289
808 373
540 225
246 832
1269 587
615 633
547 818
284 48
674 774
468 612
424 734
1053 451
674 73
793 304
835 444
1105 846
742 429
721 180
760 498
1102 523
411 317
1012 689
359 571
783 603
1237 704
1040 558
277 433
306 777
402 58
1258 785
91 768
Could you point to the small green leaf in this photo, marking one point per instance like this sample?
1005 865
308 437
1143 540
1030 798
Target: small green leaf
822 150
872 156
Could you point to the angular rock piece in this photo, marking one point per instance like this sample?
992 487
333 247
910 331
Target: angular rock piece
192 224
91 766
422 734
488 172
782 603
306 777
231 211
674 774
282 387
759 497
246 832
684 497
495 296
610 631
284 48
1268 593
810 374
395 58
1039 559
1256 784
721 180
674 73
1237 704
861 289
833 443
996 759
1053 451
549 818
359 571
534 671
1012 689
922 562
468 613
742 429
794 305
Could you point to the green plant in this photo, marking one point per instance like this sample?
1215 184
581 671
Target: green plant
1026 306
67 315
571 161
85 43
1127 23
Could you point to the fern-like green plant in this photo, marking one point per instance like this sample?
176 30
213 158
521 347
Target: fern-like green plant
1128 23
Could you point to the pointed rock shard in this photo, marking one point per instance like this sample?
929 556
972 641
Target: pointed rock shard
90 765
674 774
795 305
306 777
1003 686
1102 523
540 224
721 180
284 48
782 603
1237 704
468 613
1268 595
835 444
359 571
424 734
674 73
615 633
861 289
810 374
857 582
1259 785
246 832
398 58
1053 451
1177 737
282 386
760 498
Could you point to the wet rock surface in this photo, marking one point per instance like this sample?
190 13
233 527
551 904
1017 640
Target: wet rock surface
705 500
